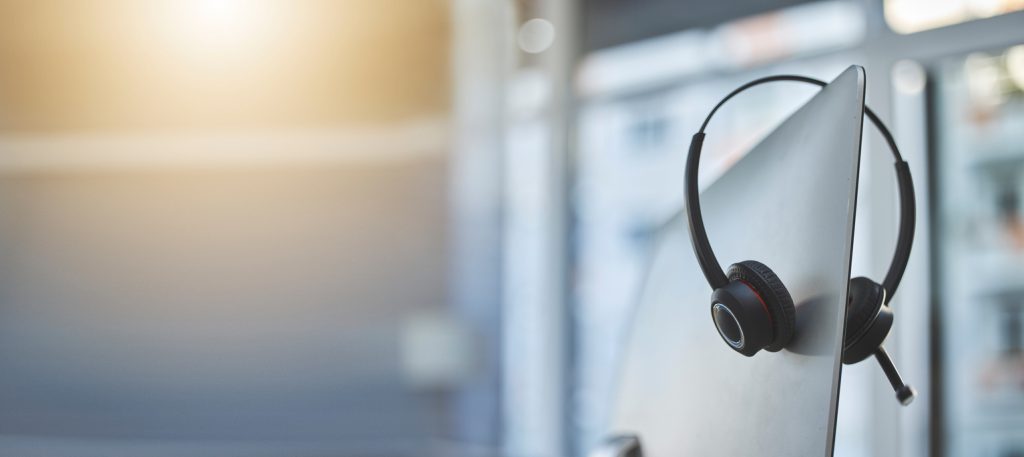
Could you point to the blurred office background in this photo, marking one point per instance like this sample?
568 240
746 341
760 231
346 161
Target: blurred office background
291 228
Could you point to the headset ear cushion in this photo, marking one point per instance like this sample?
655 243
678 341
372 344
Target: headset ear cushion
865 300
774 295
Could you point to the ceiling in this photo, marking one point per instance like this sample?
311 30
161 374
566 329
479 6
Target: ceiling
613 22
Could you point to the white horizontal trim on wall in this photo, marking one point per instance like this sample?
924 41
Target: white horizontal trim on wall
125 151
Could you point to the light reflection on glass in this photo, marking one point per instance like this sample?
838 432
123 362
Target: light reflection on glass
909 16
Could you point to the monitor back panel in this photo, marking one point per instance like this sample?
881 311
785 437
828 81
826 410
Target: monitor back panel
789 203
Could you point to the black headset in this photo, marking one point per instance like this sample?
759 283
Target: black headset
752 308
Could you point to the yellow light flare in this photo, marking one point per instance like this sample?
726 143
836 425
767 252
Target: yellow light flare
221 29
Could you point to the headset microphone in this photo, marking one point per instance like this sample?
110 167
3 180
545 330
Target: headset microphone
750 305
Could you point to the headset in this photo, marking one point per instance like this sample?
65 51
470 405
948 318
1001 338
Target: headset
751 307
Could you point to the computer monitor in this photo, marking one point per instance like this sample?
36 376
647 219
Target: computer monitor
789 203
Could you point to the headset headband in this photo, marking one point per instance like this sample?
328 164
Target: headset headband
698 235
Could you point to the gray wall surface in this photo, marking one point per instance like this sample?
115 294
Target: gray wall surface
218 305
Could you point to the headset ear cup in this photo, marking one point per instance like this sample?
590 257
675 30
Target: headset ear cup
865 301
774 295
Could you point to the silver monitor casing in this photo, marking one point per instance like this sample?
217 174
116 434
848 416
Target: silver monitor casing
789 203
